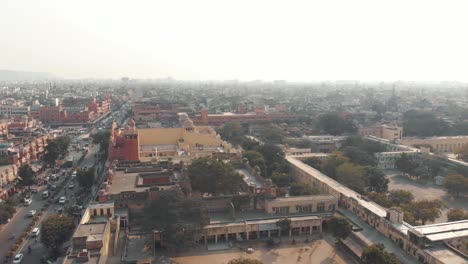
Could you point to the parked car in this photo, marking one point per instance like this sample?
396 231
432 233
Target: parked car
18 258
31 213
53 187
71 185
250 250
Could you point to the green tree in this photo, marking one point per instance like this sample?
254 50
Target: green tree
255 158
179 219
86 178
462 153
280 179
375 180
213 176
233 132
334 124
56 148
423 124
400 197
249 144
456 214
298 189
351 175
332 162
7 210
380 198
366 145
27 175
284 225
314 163
339 226
456 184
376 254
101 138
405 164
274 159
425 210
56 230
242 260
273 135
359 156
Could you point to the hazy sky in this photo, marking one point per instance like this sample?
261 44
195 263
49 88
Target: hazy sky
272 40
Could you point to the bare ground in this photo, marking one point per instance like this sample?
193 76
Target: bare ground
318 251
429 192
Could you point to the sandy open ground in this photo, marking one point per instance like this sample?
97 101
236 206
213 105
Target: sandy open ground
429 192
318 251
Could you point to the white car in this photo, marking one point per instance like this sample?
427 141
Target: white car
63 200
250 250
36 231
32 213
27 201
18 258
71 185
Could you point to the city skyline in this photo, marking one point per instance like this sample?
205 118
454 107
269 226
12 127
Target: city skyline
207 40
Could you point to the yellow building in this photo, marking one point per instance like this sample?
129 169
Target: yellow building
185 142
443 144
391 133
301 204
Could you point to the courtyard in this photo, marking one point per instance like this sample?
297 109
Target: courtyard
428 192
320 251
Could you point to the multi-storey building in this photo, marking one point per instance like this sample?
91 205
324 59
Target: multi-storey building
388 132
259 116
186 142
433 244
442 144
149 110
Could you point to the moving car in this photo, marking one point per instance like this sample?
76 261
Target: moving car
71 185
45 194
36 231
32 213
18 258
250 250
63 200
27 201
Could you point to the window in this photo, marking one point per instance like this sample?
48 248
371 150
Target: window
320 207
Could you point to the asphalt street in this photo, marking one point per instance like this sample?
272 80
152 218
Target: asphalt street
20 221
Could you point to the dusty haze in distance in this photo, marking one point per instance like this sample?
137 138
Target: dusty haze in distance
189 40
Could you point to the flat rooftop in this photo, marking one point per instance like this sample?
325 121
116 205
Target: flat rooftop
249 178
137 248
304 198
90 229
125 182
444 231
255 215
338 187
446 255
101 205
271 221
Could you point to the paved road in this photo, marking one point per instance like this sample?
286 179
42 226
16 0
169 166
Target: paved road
19 222
37 249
